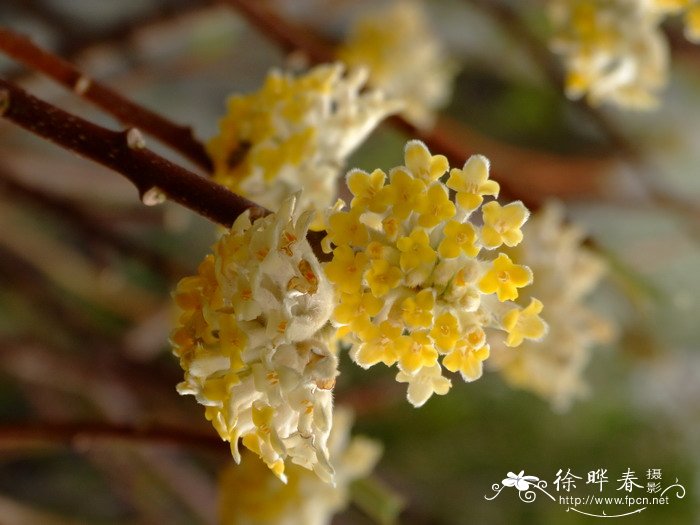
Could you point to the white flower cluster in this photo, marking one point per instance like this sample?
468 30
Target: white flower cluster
405 58
566 274
250 339
250 495
296 133
613 50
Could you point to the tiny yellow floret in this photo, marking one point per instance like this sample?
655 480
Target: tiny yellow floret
346 269
346 228
418 311
415 250
524 323
416 351
472 182
435 207
382 277
504 278
467 360
404 193
502 223
366 189
459 238
422 164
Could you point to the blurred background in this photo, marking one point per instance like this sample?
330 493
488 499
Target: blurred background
86 374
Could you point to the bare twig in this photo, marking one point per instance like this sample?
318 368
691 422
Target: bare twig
125 153
178 137
75 38
288 36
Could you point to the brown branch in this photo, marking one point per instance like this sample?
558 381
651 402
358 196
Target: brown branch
81 434
290 37
124 152
547 175
178 137
75 39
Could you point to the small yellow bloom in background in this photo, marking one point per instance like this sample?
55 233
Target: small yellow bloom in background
472 182
504 278
392 227
614 51
415 250
422 264
550 361
250 495
376 250
425 166
435 207
524 323
502 224
459 238
405 58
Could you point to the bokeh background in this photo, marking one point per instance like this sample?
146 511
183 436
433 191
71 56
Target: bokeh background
86 272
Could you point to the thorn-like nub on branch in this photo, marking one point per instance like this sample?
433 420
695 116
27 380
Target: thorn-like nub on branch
82 85
134 139
153 196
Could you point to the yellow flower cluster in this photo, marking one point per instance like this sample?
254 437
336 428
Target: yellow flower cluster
250 338
613 50
567 272
405 58
295 133
250 495
417 281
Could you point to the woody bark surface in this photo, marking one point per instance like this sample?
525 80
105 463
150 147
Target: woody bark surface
124 153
